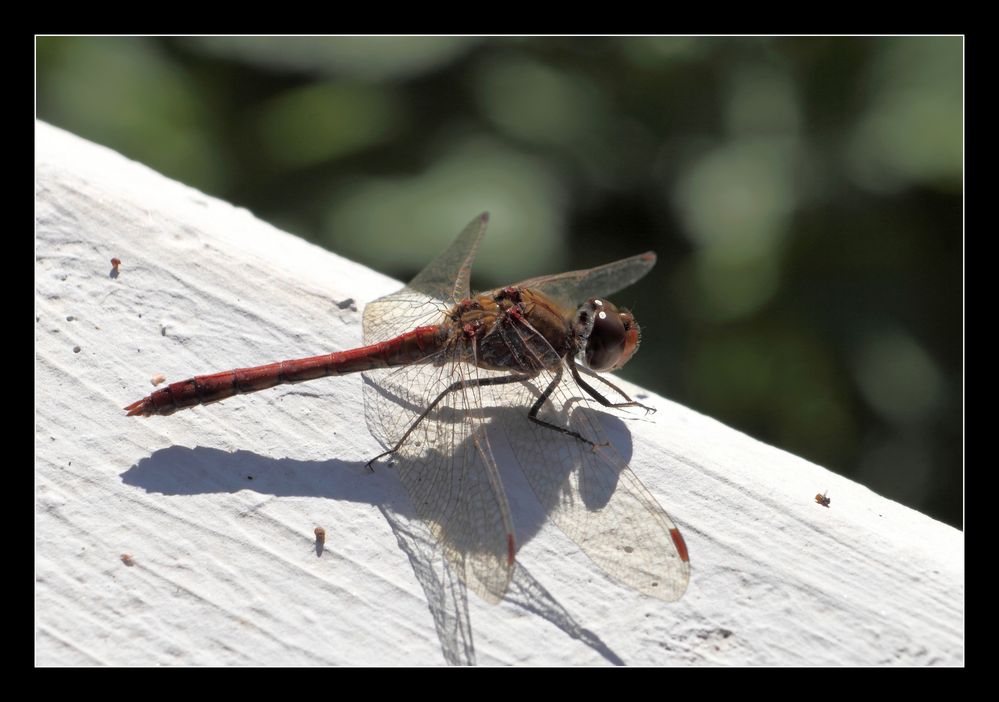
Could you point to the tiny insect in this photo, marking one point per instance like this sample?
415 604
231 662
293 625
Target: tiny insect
157 379
823 500
127 559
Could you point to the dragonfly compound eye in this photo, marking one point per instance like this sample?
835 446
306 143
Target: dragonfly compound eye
613 336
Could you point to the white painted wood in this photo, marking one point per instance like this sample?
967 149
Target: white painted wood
225 571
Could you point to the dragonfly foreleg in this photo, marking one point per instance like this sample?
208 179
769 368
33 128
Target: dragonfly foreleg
600 398
455 386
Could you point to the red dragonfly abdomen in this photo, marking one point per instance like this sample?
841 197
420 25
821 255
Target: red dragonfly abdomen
411 347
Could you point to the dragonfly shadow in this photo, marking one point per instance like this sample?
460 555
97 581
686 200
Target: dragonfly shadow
594 472
506 427
447 596
180 470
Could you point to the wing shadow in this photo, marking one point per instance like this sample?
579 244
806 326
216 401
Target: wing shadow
179 470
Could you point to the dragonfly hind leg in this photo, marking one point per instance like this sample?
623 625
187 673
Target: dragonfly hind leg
455 386
531 415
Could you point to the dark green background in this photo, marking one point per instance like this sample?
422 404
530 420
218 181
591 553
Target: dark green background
805 197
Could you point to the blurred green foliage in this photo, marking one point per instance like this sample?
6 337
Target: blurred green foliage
805 196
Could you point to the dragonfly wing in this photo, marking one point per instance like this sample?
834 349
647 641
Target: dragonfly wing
447 467
577 286
426 297
400 312
445 462
588 491
592 495
447 276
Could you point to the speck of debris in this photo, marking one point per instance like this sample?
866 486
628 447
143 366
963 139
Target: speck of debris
127 559
347 304
320 540
249 477
76 349
162 331
628 549
70 318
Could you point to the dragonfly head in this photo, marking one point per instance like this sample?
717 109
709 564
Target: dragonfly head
610 335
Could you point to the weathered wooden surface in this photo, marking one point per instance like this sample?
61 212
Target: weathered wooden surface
216 506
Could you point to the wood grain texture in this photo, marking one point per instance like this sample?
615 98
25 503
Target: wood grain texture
217 505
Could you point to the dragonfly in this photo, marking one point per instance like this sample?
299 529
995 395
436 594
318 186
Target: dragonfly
447 374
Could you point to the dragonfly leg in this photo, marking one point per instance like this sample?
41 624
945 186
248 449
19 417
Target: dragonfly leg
536 407
457 385
600 398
